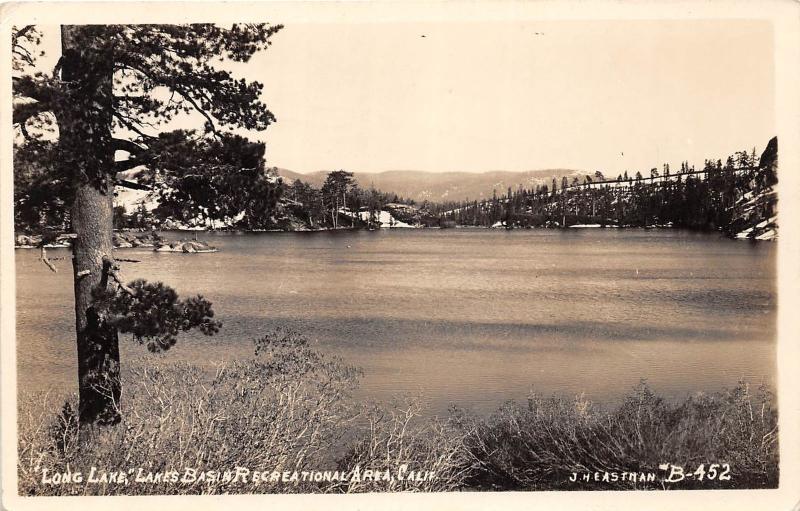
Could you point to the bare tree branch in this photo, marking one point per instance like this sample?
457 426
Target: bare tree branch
46 261
128 124
197 107
121 144
23 31
130 184
112 270
185 94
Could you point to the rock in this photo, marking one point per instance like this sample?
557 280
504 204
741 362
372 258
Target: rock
23 240
756 210
185 246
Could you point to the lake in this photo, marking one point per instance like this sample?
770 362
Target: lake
465 316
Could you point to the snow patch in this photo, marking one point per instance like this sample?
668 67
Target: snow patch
767 235
385 219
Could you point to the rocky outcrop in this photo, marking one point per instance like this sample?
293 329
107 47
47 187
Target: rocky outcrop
185 247
120 240
133 240
35 241
756 211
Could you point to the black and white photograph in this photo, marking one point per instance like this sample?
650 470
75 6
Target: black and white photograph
500 249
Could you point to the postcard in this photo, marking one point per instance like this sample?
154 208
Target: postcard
389 255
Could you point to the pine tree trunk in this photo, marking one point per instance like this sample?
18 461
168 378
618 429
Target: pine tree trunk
85 139
98 344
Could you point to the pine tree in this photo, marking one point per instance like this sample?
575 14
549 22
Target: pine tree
335 191
107 82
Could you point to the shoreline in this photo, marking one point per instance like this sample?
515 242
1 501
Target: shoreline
146 233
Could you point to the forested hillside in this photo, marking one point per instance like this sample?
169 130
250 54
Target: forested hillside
421 186
292 206
736 196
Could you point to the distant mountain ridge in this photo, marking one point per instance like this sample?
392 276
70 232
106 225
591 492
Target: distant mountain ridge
443 186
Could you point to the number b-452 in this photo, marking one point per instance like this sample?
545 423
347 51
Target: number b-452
715 471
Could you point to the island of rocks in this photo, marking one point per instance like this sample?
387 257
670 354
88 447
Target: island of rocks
120 240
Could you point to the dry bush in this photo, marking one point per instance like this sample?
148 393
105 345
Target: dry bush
288 409
284 410
538 446
400 440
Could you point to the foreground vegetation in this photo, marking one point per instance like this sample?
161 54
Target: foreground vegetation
289 410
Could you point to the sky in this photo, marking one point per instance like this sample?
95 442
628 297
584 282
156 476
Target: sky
480 96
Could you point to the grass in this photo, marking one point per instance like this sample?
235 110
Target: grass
288 410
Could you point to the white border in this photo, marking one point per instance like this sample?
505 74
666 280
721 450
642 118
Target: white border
785 16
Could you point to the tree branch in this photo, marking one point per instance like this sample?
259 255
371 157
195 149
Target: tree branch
185 95
57 67
18 49
130 184
46 261
128 124
131 163
23 31
24 129
22 53
110 269
40 90
121 144
118 279
180 90
24 112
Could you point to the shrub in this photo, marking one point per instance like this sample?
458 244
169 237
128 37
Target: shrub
289 409
538 446
424 454
285 409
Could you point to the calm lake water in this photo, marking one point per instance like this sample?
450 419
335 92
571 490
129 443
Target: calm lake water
471 317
